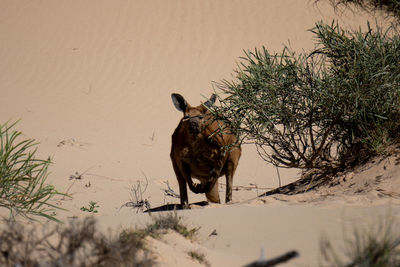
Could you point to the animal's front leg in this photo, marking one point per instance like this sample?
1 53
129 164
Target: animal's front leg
229 180
229 172
183 194
182 186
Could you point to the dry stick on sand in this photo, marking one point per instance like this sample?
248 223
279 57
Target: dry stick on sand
137 196
274 261
251 187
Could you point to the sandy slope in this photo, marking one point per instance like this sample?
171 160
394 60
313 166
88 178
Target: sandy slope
91 80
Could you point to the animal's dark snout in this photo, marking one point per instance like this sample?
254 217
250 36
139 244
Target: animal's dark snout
195 125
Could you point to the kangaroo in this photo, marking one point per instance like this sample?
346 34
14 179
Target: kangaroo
198 151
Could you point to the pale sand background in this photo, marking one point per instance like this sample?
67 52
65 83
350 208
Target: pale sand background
91 80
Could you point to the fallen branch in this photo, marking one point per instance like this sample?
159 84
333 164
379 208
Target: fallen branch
274 261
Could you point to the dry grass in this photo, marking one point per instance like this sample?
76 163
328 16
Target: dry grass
169 221
374 246
80 243
200 257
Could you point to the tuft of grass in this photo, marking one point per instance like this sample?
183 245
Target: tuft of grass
200 257
169 221
377 246
22 176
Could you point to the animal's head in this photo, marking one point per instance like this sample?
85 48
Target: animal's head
193 117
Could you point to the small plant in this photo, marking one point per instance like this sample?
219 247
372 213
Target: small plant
377 246
171 221
22 176
136 196
200 257
92 207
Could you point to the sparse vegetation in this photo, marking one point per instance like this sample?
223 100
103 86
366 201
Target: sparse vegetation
333 107
91 208
377 246
169 221
200 257
136 196
78 244
81 244
22 176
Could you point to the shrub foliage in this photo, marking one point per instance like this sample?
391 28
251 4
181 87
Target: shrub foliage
391 7
22 176
331 107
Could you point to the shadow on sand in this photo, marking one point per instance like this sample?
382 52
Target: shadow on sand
169 207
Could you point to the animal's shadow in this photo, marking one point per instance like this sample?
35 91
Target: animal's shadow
169 207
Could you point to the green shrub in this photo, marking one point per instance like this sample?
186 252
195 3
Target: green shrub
392 7
22 176
334 106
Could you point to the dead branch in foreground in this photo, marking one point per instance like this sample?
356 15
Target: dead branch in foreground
274 261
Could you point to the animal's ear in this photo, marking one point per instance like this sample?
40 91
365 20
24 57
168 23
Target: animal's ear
179 102
210 101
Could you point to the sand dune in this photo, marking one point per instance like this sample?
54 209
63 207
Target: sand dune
91 80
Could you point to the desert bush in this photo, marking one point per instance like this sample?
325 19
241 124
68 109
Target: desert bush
78 244
22 176
372 246
169 221
331 107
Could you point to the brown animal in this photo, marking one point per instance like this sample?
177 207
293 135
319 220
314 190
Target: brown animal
198 151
